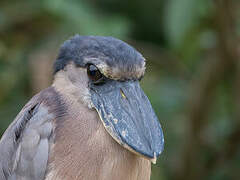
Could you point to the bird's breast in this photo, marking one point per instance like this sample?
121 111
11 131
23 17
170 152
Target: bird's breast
82 149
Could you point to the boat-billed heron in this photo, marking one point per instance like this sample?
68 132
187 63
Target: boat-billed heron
93 123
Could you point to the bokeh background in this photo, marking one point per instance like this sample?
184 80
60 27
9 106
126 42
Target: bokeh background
192 78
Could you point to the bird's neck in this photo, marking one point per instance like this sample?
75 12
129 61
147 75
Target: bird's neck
84 150
73 85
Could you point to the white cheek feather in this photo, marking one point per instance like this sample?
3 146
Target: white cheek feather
86 99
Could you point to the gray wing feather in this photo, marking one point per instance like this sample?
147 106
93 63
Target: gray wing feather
24 147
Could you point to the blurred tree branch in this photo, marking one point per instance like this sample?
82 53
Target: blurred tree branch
203 91
160 57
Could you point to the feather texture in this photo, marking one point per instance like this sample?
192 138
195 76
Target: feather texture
24 147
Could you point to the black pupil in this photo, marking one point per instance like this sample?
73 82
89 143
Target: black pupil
94 73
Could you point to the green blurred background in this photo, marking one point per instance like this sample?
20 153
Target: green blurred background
192 78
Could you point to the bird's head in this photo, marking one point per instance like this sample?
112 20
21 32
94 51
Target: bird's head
107 72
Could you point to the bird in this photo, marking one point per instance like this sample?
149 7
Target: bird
94 122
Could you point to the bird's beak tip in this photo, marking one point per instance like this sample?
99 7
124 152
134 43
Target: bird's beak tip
154 159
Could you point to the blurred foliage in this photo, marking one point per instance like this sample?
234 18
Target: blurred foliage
192 76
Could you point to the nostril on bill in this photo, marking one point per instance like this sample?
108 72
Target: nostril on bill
122 94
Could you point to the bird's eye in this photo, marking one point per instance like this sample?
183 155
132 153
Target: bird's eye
94 74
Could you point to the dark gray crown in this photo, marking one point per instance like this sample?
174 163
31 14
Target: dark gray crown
113 52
